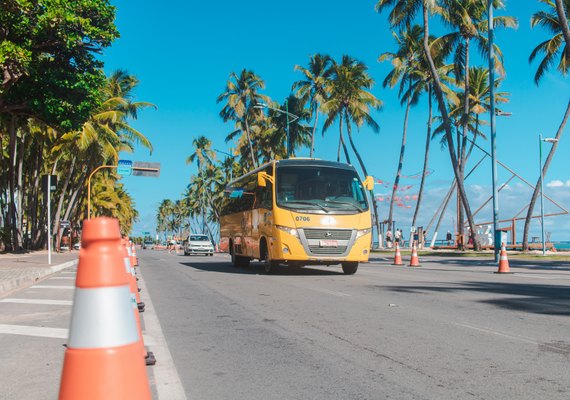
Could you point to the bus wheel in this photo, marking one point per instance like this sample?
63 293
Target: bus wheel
349 268
240 261
268 265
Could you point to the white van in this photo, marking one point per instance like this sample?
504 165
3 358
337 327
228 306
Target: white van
198 244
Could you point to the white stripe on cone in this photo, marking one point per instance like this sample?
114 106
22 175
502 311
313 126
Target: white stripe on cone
102 318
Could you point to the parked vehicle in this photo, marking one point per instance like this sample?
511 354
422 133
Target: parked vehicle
198 244
148 244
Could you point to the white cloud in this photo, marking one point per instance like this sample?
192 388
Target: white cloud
557 183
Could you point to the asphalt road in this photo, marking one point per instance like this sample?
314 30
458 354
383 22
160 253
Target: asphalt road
451 329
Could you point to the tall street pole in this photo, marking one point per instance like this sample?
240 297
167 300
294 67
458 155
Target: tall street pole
289 150
493 131
541 193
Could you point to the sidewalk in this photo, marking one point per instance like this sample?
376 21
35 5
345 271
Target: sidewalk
21 270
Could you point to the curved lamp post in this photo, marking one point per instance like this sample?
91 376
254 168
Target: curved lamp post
540 140
293 116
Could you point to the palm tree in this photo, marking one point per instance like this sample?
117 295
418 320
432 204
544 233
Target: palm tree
556 22
299 134
313 87
469 18
351 100
240 96
403 13
204 156
406 62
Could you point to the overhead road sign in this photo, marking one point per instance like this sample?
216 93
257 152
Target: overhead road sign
146 169
125 167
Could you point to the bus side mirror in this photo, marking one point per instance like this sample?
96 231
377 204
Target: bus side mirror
368 183
262 179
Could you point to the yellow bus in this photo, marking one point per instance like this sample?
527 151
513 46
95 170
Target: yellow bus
298 212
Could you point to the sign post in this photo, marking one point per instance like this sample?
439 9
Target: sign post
49 184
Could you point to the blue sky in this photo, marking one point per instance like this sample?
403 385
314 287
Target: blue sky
183 52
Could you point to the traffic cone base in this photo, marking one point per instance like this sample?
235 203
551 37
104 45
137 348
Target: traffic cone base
111 374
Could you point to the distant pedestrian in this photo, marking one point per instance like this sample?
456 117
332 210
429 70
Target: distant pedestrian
398 236
448 237
172 245
389 238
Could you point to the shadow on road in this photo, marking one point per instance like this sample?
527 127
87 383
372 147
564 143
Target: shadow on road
256 268
532 298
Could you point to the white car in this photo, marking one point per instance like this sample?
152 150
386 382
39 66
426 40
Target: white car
198 244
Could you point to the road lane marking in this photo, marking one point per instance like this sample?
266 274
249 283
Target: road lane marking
167 382
499 333
54 333
62 277
38 301
52 287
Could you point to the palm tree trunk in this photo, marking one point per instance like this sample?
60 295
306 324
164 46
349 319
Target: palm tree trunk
341 143
446 124
374 204
254 163
544 170
563 25
461 151
400 161
314 130
13 220
426 156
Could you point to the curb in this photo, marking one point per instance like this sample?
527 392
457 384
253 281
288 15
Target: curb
8 287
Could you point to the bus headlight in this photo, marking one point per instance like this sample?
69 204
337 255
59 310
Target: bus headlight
362 232
290 231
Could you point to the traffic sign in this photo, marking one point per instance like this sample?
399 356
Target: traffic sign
125 167
146 169
146 233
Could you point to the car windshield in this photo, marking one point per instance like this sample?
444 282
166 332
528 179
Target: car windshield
199 238
320 189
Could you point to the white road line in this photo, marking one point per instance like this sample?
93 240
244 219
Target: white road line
498 333
38 301
52 287
167 381
63 277
55 333
553 278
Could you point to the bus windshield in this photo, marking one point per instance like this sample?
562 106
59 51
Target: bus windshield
320 189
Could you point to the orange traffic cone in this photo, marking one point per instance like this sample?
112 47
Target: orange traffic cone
397 256
414 261
136 260
503 261
103 356
148 355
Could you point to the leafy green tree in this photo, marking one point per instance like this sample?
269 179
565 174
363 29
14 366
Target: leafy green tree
555 21
351 101
240 97
313 88
406 62
470 21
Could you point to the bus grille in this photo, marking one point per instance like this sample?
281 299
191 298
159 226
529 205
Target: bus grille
327 251
332 234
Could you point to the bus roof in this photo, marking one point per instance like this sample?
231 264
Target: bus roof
298 162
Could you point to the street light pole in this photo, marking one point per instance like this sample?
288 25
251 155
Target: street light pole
493 130
540 140
288 134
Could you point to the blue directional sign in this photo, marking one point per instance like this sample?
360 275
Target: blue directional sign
125 167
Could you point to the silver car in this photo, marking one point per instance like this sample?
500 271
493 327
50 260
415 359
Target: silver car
198 244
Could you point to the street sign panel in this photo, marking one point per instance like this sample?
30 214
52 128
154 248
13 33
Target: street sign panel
146 169
125 167
52 183
146 233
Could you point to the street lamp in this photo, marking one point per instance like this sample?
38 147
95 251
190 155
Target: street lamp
288 114
540 140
